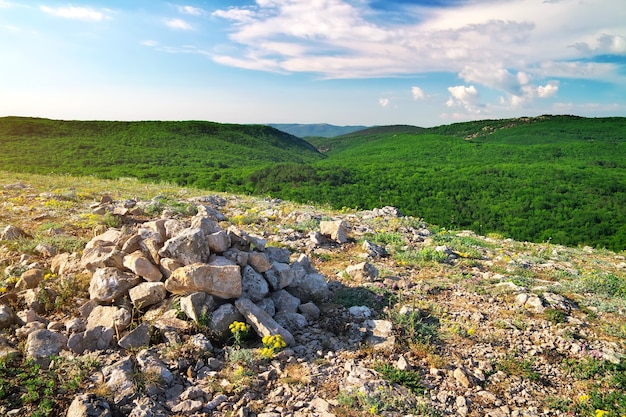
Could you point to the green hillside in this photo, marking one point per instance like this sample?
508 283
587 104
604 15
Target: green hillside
198 153
556 178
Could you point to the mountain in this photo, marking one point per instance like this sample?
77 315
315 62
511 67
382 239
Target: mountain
312 130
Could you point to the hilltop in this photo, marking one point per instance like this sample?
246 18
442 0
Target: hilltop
315 129
408 318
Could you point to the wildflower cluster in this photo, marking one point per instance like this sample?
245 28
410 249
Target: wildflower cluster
272 344
239 331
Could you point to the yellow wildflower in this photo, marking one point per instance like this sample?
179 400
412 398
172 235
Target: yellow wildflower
583 398
601 413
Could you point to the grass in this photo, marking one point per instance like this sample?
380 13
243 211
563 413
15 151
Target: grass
513 365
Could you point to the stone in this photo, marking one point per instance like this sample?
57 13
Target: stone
149 363
138 337
154 229
119 381
43 343
374 250
12 233
88 405
197 305
461 377
262 323
309 287
267 305
111 237
151 247
208 225
140 265
201 342
277 254
109 316
237 256
531 302
169 265
221 279
189 247
148 407
65 263
223 317
244 241
336 230
102 257
363 271
402 364
285 302
259 261
254 286
362 312
310 311
110 284
173 227
7 316
218 242
215 402
97 338
132 244
280 276
380 333
46 251
291 321
188 407
147 294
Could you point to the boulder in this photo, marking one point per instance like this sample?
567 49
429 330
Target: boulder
140 265
281 275
262 323
189 247
336 230
29 279
138 337
97 338
109 316
118 378
253 284
259 261
7 316
147 294
109 284
363 271
285 302
218 242
12 233
43 343
223 317
88 405
197 305
102 257
221 278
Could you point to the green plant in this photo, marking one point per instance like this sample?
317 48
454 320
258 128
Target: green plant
413 327
240 331
271 345
513 365
407 378
555 316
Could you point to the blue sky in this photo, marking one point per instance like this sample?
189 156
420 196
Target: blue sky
346 62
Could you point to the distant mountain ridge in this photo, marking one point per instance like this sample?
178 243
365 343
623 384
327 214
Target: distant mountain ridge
324 130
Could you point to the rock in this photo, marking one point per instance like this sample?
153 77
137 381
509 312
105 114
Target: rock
148 407
402 364
169 265
41 344
309 287
7 316
310 311
197 305
97 338
119 380
201 342
337 230
47 251
262 323
244 241
530 301
88 405
218 242
12 233
113 317
154 230
65 263
132 244
189 247
291 321
380 333
363 271
462 378
147 294
285 302
280 275
150 363
221 279
102 257
187 407
140 265
138 337
268 306
277 254
215 402
109 284
362 312
253 284
374 250
223 317
259 261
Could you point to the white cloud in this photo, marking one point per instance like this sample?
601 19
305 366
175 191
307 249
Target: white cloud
72 12
178 24
464 97
191 10
384 102
149 43
5 4
417 93
548 90
236 14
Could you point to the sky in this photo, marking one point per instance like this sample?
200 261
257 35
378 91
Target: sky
344 62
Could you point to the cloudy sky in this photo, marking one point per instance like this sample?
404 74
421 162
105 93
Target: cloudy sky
346 62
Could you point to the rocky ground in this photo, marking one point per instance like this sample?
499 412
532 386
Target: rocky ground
119 298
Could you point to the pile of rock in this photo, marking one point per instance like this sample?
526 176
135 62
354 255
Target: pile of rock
165 268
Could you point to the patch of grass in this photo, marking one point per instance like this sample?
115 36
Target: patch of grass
413 327
409 379
417 257
555 316
25 384
512 365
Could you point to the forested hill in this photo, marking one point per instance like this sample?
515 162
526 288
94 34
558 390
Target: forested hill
196 153
324 130
550 178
